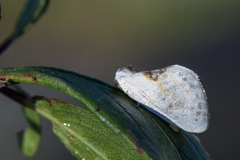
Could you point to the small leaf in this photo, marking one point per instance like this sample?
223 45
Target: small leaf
30 138
32 11
139 127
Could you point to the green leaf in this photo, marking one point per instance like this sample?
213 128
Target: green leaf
33 10
139 127
30 138
84 134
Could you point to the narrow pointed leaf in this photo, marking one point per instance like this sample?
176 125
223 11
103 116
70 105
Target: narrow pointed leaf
136 125
32 11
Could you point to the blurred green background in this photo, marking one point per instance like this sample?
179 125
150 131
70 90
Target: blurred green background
95 38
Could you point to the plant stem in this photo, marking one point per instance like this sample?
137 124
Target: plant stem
18 97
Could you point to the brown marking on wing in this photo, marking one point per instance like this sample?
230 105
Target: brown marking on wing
153 75
130 68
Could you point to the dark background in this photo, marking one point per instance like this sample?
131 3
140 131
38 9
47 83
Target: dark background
95 38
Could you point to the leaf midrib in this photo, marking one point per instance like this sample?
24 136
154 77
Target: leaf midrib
55 120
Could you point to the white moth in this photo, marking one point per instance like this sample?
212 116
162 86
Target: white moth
173 93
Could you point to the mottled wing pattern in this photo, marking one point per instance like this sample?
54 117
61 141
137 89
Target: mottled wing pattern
173 93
